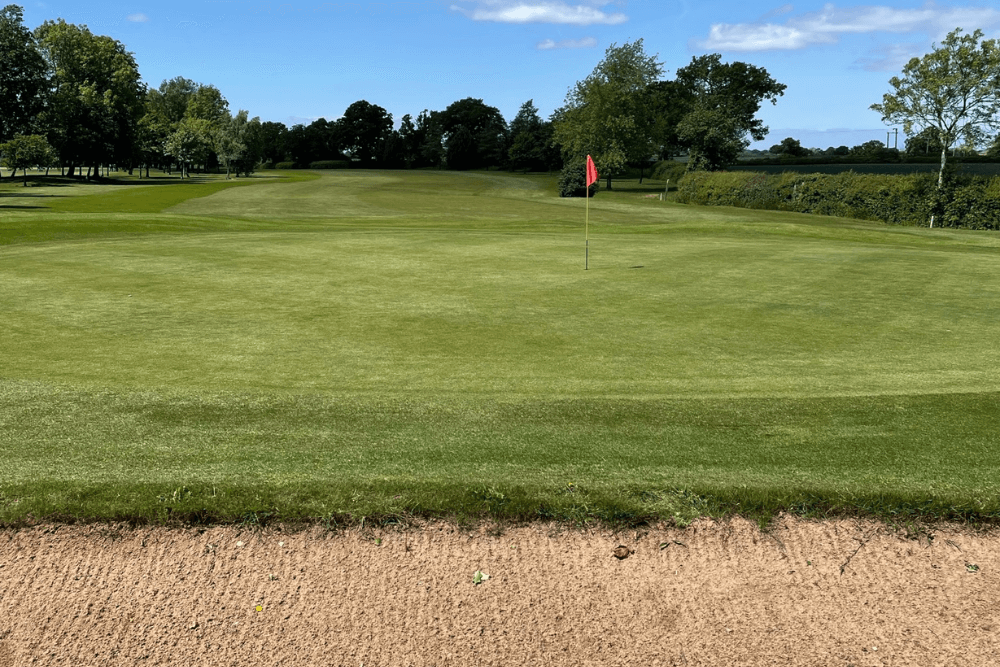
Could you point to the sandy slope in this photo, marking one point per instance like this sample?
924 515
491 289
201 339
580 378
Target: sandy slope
716 594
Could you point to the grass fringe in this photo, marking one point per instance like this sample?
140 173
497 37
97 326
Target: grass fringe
569 506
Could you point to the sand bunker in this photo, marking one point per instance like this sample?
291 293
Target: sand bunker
806 593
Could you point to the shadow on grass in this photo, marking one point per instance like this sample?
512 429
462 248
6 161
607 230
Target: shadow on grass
56 181
27 195
159 180
41 181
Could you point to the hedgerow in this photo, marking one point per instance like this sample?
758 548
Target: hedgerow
966 201
668 170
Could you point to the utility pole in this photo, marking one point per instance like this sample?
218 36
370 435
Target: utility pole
895 140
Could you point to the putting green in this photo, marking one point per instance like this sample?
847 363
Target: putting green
421 336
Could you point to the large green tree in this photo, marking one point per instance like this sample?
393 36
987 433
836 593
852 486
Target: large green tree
530 146
720 102
789 147
872 150
96 98
486 127
232 142
254 140
23 78
207 103
317 141
23 151
461 151
272 137
191 143
422 139
165 108
954 90
924 142
608 115
170 101
667 102
363 131
208 106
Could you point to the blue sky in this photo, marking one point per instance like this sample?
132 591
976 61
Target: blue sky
296 60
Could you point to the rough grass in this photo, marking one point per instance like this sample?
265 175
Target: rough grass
386 343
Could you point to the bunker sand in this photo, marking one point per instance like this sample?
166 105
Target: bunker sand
717 593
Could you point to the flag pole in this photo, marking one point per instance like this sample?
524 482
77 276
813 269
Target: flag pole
592 177
586 231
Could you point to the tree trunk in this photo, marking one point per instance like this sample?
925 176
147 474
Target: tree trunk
944 162
609 182
25 172
72 170
944 159
641 170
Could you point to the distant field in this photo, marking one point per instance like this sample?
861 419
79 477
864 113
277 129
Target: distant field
352 343
976 169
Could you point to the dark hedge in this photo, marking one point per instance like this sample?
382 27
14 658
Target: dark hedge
966 201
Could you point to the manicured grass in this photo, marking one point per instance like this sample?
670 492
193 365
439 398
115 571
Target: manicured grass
375 343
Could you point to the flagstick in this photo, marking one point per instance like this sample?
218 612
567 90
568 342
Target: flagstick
590 170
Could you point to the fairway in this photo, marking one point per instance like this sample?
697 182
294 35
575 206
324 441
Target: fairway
375 343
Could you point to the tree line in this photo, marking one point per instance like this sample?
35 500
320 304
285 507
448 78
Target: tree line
924 144
73 99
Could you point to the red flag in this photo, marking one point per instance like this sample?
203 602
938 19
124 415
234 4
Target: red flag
592 175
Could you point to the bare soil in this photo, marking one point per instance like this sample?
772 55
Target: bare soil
716 593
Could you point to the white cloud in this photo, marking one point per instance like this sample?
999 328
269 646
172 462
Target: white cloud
826 26
890 58
777 11
585 43
766 37
137 18
540 11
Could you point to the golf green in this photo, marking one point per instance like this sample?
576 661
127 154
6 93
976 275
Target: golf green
357 343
